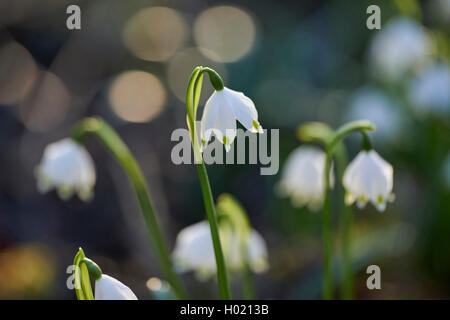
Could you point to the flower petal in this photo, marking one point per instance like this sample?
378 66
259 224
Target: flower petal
108 288
243 109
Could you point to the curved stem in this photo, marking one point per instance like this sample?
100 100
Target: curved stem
192 99
93 268
332 141
326 234
122 154
347 129
345 222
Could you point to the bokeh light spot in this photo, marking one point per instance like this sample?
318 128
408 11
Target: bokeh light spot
155 34
46 105
137 96
227 31
18 72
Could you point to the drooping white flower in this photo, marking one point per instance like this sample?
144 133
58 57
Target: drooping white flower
369 178
429 91
398 47
194 250
68 167
222 110
303 178
108 288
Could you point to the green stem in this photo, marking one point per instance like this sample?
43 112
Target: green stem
326 234
332 142
347 129
122 154
334 145
192 99
212 218
346 220
248 285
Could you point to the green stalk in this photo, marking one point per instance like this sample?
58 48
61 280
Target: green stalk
326 234
347 129
231 212
122 154
345 222
248 285
192 98
212 218
332 142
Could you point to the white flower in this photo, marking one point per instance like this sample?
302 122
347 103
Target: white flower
369 178
194 250
398 47
430 89
220 114
68 167
303 178
108 288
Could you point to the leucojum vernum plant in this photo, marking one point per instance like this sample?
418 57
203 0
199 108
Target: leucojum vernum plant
308 179
219 117
226 238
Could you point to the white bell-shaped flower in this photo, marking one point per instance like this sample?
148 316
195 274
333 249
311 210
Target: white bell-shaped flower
220 114
369 178
194 250
108 288
303 178
67 166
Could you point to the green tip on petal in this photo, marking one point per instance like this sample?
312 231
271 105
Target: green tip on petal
226 140
255 124
380 199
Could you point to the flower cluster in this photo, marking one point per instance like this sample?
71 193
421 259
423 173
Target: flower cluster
204 247
367 178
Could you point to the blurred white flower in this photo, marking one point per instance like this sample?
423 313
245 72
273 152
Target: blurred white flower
430 90
108 288
398 47
194 250
372 104
303 178
369 178
68 167
220 114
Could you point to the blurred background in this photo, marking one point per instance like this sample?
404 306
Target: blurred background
299 61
